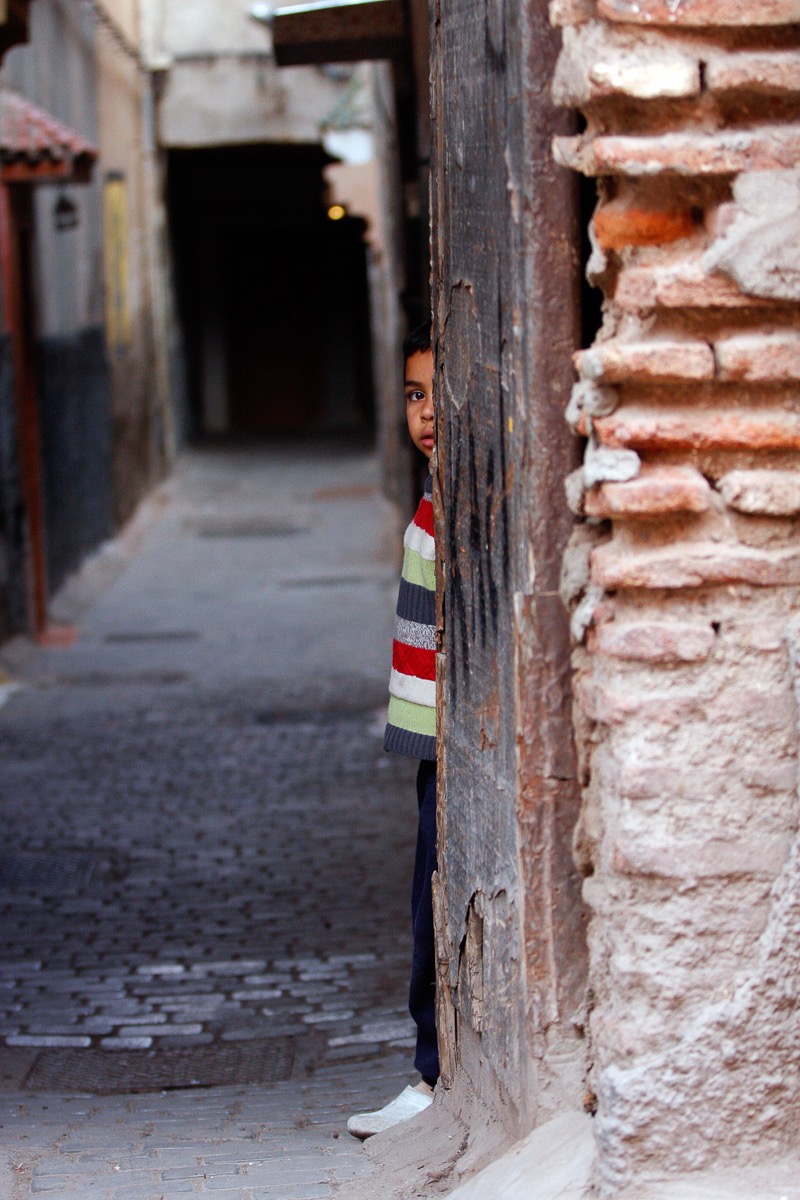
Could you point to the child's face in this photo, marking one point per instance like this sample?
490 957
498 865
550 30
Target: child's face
419 400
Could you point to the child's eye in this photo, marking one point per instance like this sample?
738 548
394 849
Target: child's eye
416 396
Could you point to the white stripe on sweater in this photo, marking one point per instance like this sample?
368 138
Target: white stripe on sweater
408 687
417 539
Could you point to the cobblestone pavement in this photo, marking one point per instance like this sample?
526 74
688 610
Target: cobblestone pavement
206 853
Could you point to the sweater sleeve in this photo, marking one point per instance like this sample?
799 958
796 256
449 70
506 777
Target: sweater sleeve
411 728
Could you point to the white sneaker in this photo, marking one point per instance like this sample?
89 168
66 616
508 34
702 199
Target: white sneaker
412 1100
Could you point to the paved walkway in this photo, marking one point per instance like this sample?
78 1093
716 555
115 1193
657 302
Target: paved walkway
206 852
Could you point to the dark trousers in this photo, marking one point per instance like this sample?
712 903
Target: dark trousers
422 994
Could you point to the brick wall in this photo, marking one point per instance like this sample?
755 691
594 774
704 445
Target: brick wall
684 576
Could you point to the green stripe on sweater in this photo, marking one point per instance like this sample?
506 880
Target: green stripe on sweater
419 570
417 718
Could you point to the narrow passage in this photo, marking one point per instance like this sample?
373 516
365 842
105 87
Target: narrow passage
206 852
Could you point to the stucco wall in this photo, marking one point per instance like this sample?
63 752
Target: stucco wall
138 341
221 84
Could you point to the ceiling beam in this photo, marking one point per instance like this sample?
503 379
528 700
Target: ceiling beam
326 31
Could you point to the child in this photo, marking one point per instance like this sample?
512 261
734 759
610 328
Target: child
412 730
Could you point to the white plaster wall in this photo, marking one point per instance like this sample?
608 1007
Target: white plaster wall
229 101
206 26
221 85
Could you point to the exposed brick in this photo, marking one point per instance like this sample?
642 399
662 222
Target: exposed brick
693 429
685 285
759 357
686 153
662 361
775 73
656 490
694 13
653 641
687 739
619 224
694 564
776 493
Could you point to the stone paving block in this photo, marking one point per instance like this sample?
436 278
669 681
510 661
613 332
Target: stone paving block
258 994
125 1007
287 1191
200 1172
70 1192
276 978
44 1040
227 968
153 1029
138 1042
284 1174
149 1192
141 1022
185 1041
228 1194
329 1017
161 969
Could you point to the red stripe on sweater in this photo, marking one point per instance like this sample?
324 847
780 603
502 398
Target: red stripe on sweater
424 516
410 660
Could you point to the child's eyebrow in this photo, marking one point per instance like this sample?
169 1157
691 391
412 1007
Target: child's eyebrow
413 383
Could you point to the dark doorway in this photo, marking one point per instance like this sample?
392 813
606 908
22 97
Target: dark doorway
272 294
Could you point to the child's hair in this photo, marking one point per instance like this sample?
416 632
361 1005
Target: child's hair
418 341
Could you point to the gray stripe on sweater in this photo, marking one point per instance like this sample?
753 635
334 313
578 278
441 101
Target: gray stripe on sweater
415 633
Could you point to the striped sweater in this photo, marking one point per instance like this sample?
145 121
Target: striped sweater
412 686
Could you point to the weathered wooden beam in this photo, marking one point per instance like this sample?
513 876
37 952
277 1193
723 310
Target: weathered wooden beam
506 318
338 31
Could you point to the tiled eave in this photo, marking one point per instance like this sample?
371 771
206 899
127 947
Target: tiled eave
36 148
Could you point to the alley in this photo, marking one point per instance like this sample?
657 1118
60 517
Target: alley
205 850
